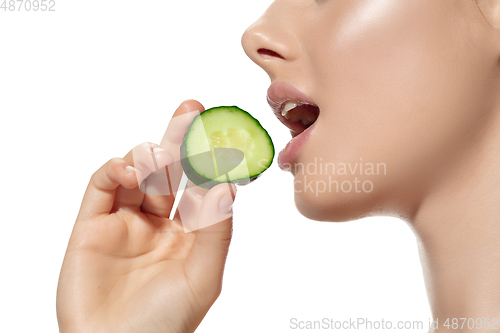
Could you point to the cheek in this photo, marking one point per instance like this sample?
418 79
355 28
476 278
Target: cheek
402 89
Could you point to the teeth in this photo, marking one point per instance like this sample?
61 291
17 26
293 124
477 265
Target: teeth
307 117
289 106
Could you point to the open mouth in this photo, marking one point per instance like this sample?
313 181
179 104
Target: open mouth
298 116
298 112
292 107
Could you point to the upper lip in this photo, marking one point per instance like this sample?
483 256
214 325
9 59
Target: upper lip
278 94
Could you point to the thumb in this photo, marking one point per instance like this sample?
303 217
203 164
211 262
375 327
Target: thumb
206 260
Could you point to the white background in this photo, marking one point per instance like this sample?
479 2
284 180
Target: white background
95 78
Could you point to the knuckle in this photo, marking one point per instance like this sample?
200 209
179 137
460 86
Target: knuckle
114 161
107 167
142 157
217 293
112 164
96 177
145 146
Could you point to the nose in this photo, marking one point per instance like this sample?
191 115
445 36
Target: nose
271 41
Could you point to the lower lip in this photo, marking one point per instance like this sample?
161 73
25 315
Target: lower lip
288 156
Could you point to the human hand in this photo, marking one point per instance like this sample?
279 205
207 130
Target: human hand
128 267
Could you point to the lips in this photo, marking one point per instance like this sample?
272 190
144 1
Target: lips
281 97
279 94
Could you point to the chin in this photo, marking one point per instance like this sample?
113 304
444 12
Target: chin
337 207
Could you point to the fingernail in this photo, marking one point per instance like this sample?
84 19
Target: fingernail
226 204
129 168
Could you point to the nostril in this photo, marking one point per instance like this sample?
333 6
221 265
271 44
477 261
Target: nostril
270 53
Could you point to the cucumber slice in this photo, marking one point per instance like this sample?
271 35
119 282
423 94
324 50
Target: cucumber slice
225 144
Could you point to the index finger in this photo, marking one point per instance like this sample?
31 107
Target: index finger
171 142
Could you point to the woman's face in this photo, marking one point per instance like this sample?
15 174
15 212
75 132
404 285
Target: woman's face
404 89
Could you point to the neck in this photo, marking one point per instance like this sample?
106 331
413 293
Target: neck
458 231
